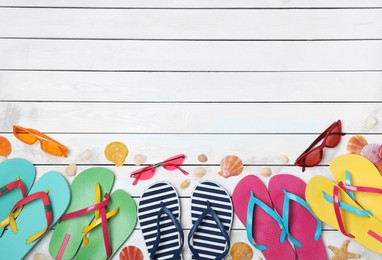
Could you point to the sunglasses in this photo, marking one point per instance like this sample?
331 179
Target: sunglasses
148 172
313 155
47 144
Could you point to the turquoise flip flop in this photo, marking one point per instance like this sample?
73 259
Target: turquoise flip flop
16 177
48 199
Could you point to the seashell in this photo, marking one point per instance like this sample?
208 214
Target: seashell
266 172
184 184
131 253
231 165
200 172
140 159
40 256
370 152
378 165
202 158
380 152
356 143
116 152
86 155
241 251
371 122
284 159
5 146
71 169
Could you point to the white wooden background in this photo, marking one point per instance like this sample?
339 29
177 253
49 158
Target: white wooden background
258 79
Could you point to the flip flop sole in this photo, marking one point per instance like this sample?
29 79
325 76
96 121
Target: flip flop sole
83 195
302 225
32 217
266 231
208 239
360 227
120 227
148 209
10 170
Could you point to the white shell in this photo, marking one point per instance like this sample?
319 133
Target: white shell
71 169
200 172
184 184
266 172
284 159
140 159
371 122
86 155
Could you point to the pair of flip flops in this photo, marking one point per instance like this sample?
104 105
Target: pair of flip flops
274 215
29 210
97 223
352 205
211 213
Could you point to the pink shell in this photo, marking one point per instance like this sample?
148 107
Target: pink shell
370 152
380 152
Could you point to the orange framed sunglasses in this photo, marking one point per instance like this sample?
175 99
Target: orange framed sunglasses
47 144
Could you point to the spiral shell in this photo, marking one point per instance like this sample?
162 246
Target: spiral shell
116 152
370 152
231 165
356 143
241 251
5 146
131 253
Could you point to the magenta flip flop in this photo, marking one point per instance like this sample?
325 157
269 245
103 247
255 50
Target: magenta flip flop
288 196
253 206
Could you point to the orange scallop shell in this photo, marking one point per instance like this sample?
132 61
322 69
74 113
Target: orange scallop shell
116 152
356 143
241 251
379 166
5 146
131 253
231 165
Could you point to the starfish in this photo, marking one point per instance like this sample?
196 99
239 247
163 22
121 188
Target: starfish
342 253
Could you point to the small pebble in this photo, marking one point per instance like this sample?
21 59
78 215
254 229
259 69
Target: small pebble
184 184
140 159
86 155
266 172
371 122
71 169
202 158
40 256
200 172
284 159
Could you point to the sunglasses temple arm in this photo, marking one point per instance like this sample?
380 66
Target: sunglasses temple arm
320 137
178 167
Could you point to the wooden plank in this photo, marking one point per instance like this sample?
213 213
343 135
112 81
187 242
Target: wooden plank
191 24
190 55
190 87
186 117
198 3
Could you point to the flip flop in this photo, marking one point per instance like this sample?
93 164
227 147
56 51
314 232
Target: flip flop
86 188
211 214
47 200
16 179
288 196
262 223
159 214
119 226
360 179
336 208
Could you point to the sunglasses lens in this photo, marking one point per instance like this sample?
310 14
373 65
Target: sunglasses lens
24 136
312 158
144 174
334 137
173 162
51 148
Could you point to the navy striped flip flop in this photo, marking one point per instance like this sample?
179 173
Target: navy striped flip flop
212 213
159 214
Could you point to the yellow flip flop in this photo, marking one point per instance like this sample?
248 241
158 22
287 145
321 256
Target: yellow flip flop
361 180
335 207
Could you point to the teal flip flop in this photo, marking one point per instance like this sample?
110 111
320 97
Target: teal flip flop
47 200
15 175
67 236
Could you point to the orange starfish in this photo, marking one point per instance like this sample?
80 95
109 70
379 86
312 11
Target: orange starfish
342 253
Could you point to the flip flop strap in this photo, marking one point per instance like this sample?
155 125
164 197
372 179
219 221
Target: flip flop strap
43 196
165 210
7 188
287 198
199 221
253 201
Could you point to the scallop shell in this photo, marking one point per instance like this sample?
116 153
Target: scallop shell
241 251
131 253
5 146
116 152
370 152
378 165
356 143
231 165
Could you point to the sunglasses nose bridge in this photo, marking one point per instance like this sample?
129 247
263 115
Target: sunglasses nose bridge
157 165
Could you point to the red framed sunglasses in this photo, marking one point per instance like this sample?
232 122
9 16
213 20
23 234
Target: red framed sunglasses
313 155
148 172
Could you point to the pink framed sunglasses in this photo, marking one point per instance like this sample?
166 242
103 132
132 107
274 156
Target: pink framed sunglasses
148 172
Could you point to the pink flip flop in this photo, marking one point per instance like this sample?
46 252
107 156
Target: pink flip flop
253 206
288 196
